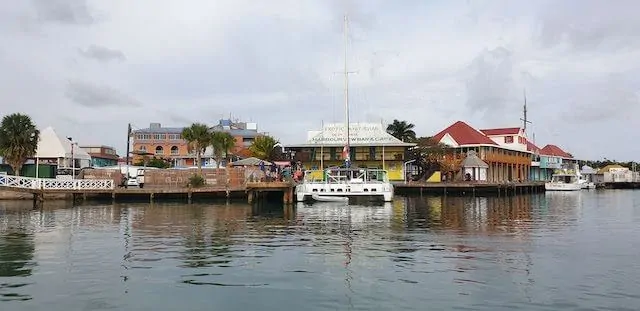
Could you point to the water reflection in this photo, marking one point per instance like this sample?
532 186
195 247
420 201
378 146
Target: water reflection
17 249
492 253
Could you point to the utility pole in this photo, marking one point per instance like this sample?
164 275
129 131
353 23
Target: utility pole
128 142
127 156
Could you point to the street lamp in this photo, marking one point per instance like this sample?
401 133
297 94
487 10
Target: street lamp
73 160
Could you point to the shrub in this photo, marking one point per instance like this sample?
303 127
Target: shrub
196 181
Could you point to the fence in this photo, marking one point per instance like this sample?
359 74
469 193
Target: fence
55 184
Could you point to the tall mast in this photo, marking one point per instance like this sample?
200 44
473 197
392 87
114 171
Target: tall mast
524 111
346 93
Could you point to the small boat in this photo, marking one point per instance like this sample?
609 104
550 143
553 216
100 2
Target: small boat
325 198
564 180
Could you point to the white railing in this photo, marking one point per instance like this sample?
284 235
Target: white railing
55 184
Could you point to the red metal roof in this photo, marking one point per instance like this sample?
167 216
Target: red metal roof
464 135
554 150
532 147
501 131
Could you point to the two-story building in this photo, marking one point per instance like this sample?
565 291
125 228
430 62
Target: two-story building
101 156
370 146
503 150
547 160
168 143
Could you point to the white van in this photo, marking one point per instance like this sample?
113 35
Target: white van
135 176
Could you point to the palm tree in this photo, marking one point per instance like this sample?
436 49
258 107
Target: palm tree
18 140
263 147
222 143
198 137
402 130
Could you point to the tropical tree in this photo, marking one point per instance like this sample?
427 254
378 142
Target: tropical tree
198 138
222 143
402 130
263 147
18 140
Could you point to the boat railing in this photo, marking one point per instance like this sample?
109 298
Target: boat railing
340 176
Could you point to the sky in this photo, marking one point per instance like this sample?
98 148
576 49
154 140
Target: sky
90 67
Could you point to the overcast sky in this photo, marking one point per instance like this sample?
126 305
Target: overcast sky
90 67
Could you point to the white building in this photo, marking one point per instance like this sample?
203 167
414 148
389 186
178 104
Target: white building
513 138
54 149
616 173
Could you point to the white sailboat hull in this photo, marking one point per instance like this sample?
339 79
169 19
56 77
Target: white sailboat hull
381 190
558 186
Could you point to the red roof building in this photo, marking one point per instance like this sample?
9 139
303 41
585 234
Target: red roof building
553 150
531 147
460 134
507 156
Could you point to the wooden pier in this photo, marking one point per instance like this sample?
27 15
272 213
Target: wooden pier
81 190
469 188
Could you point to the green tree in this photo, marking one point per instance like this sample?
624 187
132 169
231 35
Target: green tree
198 137
222 143
153 162
263 147
18 140
402 130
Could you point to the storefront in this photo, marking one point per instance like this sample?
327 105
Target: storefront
370 146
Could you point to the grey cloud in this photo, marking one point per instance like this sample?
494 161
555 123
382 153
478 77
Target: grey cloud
95 96
102 53
490 84
590 24
70 12
613 97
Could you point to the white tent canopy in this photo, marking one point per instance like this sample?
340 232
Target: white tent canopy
52 145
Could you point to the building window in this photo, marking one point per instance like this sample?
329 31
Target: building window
159 136
174 136
159 150
372 153
174 150
332 153
143 148
508 139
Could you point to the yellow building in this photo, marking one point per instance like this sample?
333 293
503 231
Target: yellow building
370 147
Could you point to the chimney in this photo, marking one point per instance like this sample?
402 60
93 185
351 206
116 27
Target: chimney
155 126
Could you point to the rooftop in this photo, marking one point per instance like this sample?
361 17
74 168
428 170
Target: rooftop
243 129
501 131
553 150
464 135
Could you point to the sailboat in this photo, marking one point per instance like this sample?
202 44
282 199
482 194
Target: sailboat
338 183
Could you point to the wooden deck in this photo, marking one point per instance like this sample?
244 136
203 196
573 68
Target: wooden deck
469 188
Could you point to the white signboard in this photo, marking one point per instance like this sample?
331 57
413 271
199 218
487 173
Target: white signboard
359 134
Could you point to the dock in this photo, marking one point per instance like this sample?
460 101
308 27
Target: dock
469 188
92 189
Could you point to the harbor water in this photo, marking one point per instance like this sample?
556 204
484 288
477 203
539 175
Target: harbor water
553 251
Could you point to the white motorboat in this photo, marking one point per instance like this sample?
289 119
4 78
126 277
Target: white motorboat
585 184
324 198
565 180
345 183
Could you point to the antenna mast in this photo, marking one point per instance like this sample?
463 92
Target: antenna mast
524 111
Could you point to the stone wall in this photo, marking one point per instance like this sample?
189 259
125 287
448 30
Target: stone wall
179 178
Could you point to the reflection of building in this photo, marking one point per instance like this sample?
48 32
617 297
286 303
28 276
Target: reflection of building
167 142
370 146
101 156
503 150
